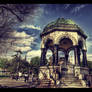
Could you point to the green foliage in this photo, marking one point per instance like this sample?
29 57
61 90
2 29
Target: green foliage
24 66
21 65
35 63
4 63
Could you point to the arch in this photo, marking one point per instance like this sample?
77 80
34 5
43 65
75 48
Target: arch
44 41
49 43
65 43
47 38
49 56
71 48
71 57
62 49
66 35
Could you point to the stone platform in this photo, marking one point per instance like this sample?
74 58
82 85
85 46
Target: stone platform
71 77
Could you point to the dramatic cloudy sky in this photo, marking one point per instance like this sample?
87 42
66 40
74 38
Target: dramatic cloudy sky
30 29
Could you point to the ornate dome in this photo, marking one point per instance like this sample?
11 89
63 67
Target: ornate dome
61 21
62 24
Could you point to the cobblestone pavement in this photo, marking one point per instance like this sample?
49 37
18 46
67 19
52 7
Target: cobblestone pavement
12 83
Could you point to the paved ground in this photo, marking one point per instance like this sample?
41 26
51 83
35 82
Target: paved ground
12 83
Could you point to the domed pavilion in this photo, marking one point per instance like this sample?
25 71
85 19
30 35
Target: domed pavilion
64 35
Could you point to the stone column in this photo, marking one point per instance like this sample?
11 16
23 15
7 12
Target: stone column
66 57
75 54
84 61
53 63
78 54
43 56
56 54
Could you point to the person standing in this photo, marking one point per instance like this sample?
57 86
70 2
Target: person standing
20 75
26 77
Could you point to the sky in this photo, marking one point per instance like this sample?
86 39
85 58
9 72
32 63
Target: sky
29 30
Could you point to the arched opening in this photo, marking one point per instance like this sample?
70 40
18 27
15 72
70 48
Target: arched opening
61 57
49 44
71 57
65 43
49 57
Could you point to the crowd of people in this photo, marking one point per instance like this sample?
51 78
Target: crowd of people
19 75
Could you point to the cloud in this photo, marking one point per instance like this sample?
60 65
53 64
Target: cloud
78 8
30 26
67 6
22 41
89 57
33 53
38 13
23 49
25 41
20 34
89 44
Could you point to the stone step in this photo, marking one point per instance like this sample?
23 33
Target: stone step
73 87
68 76
44 86
45 81
73 84
69 82
70 79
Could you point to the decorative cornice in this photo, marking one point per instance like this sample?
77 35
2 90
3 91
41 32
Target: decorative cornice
58 29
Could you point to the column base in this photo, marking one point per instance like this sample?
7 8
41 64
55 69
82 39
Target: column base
81 71
47 71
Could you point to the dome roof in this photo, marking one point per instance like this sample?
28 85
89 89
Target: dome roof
62 24
61 21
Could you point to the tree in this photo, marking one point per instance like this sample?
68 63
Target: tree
10 15
35 64
35 61
3 63
18 65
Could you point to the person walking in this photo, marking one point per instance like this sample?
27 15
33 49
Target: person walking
26 77
20 75
16 77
